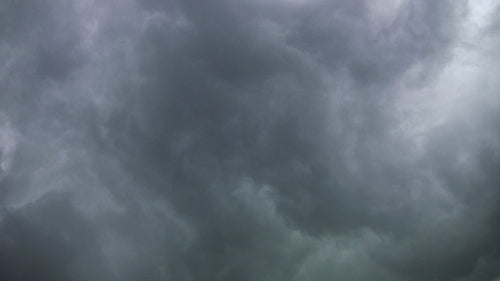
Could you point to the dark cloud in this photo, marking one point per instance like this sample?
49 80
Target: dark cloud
249 140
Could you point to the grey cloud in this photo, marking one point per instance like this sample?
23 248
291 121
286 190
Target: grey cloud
246 140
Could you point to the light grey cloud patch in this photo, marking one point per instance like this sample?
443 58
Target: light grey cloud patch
8 143
249 140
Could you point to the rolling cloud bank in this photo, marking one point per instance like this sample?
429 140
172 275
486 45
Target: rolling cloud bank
250 140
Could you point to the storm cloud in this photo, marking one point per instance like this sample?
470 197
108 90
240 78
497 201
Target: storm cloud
250 140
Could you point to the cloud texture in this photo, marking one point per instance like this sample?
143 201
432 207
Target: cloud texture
249 140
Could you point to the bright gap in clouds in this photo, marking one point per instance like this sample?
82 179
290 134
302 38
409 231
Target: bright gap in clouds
458 94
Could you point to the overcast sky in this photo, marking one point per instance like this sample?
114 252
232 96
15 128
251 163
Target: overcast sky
250 140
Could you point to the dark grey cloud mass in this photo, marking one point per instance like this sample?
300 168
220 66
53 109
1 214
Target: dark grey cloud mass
249 140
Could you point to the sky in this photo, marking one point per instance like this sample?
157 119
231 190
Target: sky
246 140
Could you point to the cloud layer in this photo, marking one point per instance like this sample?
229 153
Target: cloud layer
249 140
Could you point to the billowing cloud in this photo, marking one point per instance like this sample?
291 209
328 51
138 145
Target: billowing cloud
249 140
